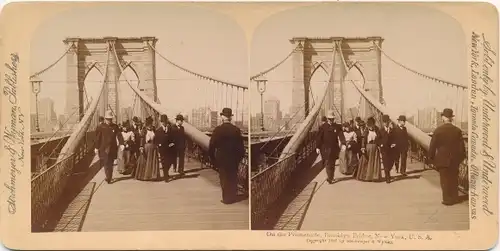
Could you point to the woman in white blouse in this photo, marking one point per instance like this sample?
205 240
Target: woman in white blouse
125 161
369 165
348 157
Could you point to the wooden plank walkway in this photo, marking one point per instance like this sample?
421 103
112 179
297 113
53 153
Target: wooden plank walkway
190 203
413 204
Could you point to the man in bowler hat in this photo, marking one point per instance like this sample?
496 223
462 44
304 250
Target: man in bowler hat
327 143
446 152
227 149
402 145
179 138
108 137
387 146
166 146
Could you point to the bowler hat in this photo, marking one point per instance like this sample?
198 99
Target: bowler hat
361 123
357 119
227 112
179 117
385 118
108 114
447 112
135 119
402 118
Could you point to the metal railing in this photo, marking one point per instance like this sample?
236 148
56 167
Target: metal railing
271 183
48 185
419 153
196 152
46 189
268 186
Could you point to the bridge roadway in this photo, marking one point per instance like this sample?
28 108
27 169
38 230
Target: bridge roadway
190 203
412 203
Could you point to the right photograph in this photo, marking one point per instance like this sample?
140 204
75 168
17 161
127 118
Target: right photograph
359 120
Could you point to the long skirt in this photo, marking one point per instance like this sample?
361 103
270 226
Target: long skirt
148 165
126 161
348 160
369 165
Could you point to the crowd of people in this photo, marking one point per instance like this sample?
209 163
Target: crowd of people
364 149
139 149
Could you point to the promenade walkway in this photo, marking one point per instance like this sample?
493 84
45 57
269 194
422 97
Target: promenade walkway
411 203
190 203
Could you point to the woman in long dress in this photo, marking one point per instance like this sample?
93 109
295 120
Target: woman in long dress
369 165
148 165
348 157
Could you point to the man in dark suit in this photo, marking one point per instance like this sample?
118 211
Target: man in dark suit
327 143
387 146
447 151
136 129
107 135
166 146
359 129
226 148
402 144
180 142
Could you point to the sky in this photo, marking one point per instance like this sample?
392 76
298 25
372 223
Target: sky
213 44
199 39
426 40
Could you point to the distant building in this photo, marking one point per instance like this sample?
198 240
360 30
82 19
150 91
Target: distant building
213 119
272 114
200 118
47 115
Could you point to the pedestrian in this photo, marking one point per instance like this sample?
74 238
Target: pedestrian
108 140
446 152
327 143
227 149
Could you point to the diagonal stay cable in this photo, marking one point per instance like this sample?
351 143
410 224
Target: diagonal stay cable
282 128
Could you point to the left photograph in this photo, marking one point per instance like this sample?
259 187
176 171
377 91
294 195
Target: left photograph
139 122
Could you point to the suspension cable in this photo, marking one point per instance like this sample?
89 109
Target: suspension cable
418 73
194 73
51 65
275 66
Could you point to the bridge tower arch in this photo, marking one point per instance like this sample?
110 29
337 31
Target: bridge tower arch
309 52
85 53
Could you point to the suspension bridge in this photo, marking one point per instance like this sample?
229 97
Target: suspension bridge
67 188
288 185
